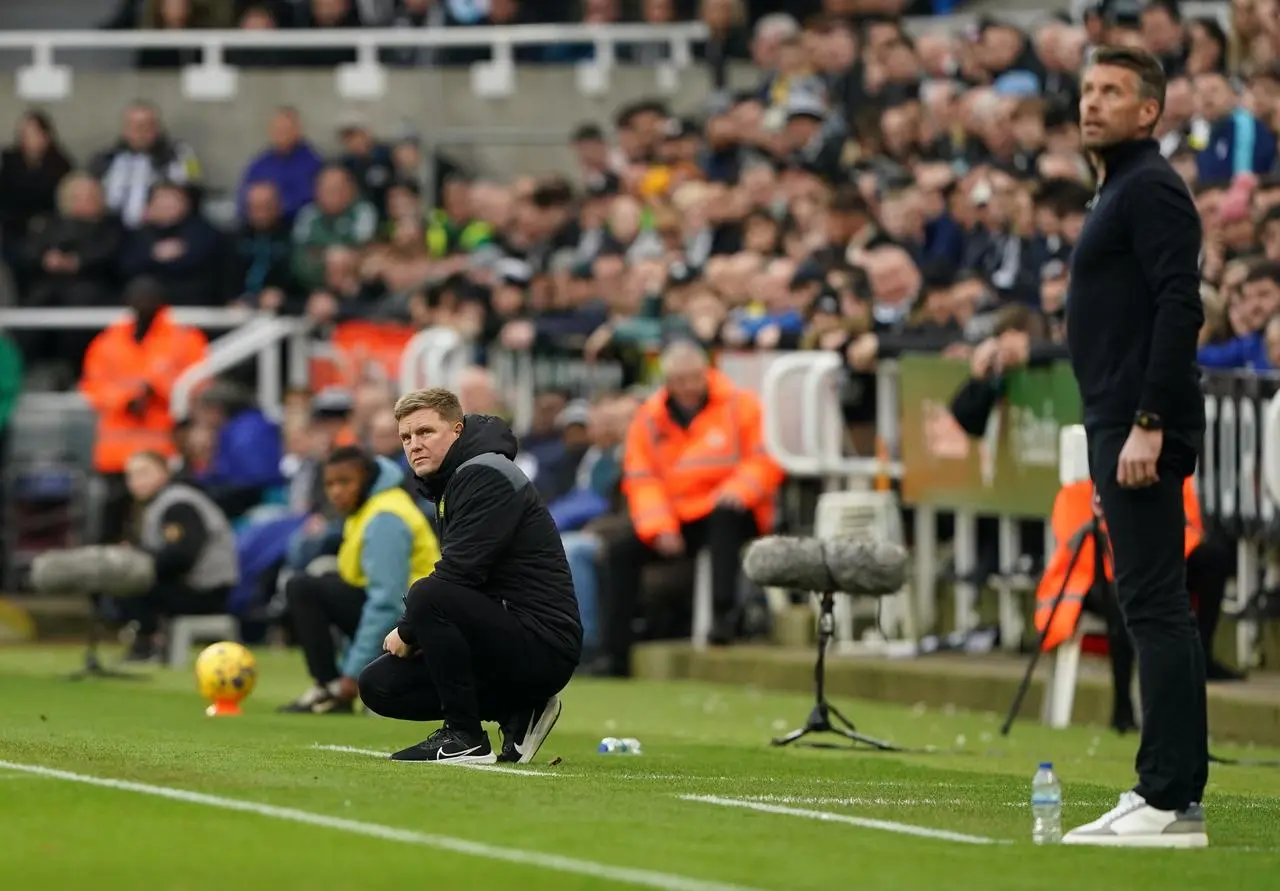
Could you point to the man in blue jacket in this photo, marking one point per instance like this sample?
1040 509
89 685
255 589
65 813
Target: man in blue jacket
247 451
290 164
387 545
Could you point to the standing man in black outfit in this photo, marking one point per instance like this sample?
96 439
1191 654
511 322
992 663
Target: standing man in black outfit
494 632
1133 314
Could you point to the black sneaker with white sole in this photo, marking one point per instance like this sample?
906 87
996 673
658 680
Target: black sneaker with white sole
524 733
450 746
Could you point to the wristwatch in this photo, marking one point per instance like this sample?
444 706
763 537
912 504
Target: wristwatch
1148 421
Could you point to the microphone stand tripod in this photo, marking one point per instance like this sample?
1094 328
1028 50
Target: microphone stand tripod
93 667
820 719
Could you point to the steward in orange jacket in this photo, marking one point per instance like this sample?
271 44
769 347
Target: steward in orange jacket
1071 521
695 475
129 371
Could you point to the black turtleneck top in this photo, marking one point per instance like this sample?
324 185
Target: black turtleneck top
1133 306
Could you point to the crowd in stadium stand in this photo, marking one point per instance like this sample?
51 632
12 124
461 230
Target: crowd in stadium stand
875 193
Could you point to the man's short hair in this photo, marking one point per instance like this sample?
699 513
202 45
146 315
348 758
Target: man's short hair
1151 78
350 454
1268 270
441 401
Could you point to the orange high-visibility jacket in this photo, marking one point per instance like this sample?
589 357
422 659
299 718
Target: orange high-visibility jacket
117 367
673 476
1072 513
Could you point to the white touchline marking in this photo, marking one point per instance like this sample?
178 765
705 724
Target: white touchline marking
864 822
625 875
857 802
352 750
488 768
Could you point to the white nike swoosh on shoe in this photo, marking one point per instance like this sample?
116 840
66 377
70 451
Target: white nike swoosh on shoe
528 731
441 754
539 729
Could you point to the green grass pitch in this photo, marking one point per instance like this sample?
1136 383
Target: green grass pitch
127 786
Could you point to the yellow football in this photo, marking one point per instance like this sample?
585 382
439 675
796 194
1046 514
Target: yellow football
226 672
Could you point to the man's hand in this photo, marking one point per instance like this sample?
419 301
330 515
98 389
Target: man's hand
669 544
322 306
518 335
1138 458
862 352
138 404
394 645
597 342
984 359
1014 349
731 500
767 337
347 689
271 299
169 249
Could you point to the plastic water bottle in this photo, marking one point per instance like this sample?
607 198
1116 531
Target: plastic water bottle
1046 806
613 746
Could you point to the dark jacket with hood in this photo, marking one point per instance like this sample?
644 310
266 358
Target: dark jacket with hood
498 538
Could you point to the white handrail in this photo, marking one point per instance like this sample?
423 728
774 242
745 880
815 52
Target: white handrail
679 34
829 424
431 356
27 318
770 399
812 426
302 38
1271 448
240 345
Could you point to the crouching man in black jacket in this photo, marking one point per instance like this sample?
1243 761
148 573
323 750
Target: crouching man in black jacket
493 633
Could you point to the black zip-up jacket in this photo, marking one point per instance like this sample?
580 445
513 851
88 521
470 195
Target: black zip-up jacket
497 537
1133 309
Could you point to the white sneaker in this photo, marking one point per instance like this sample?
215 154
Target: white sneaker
1135 824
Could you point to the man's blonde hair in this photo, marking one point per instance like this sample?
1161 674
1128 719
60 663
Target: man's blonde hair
441 401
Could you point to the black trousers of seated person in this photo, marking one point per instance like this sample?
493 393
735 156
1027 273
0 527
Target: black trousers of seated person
317 604
724 532
476 662
168 599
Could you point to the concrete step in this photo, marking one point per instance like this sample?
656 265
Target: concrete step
1238 712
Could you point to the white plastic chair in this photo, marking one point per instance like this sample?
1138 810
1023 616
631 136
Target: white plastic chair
870 515
186 630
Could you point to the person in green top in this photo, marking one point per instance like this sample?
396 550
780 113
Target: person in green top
338 217
10 384
10 391
451 228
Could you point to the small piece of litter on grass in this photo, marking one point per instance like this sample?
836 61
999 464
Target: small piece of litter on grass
554 761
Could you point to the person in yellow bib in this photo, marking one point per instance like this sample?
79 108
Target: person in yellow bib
387 545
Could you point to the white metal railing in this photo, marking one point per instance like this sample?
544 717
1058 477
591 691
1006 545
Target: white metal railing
506 36
502 38
432 359
73 318
820 422
366 78
263 339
